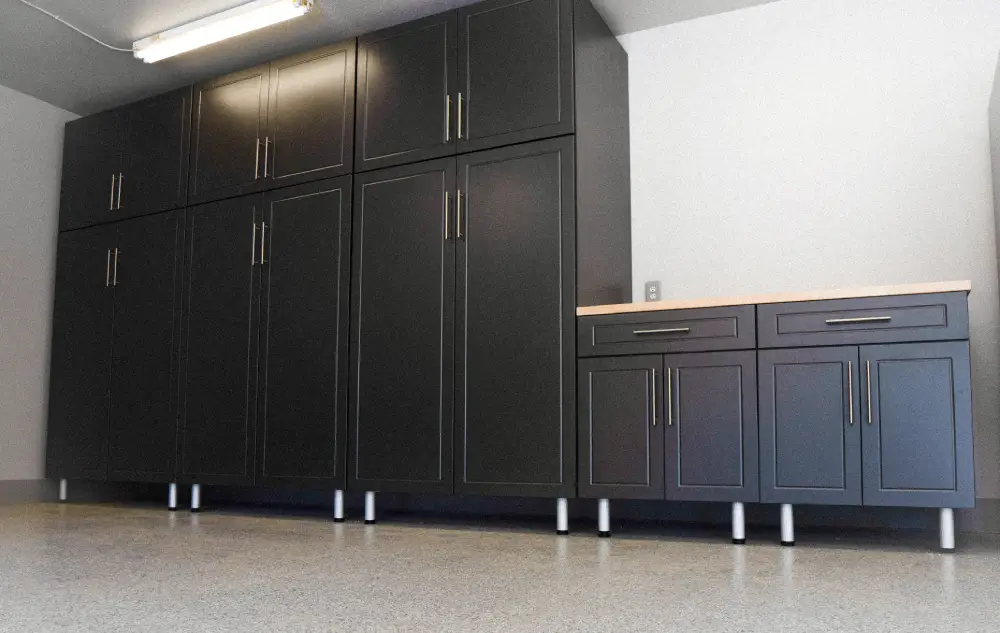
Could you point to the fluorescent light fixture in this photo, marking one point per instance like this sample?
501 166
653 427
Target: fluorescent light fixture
218 27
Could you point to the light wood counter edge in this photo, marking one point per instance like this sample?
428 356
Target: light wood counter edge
781 297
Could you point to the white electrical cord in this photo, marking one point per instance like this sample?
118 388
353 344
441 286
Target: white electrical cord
87 35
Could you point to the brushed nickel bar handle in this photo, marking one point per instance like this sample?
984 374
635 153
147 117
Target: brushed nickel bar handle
263 232
672 330
114 280
868 367
447 215
670 397
107 271
654 398
121 177
460 115
267 146
111 206
458 218
447 121
256 160
850 388
878 319
253 246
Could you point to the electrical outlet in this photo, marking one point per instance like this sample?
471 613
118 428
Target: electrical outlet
653 291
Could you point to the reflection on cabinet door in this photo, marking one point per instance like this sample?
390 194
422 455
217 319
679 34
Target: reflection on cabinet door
810 426
92 161
155 172
220 342
711 432
515 72
516 369
144 370
403 329
406 78
918 438
81 355
305 279
621 426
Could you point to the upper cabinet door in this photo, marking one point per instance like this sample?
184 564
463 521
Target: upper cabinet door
310 120
516 360
155 173
917 430
515 72
403 329
305 281
219 347
92 163
711 426
81 355
144 370
810 425
227 154
407 97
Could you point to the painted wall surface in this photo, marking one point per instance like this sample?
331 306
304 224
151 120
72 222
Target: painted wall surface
30 165
995 152
820 144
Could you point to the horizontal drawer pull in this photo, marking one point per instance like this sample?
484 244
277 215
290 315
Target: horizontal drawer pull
673 330
878 319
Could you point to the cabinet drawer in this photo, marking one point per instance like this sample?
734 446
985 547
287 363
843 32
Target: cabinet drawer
911 318
699 330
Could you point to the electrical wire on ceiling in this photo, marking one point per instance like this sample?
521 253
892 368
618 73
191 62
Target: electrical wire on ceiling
83 33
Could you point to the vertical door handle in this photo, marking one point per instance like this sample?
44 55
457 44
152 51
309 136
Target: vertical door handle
256 161
114 280
670 397
850 389
107 271
267 146
868 370
253 246
447 214
654 398
263 233
458 217
460 115
121 177
447 120
111 207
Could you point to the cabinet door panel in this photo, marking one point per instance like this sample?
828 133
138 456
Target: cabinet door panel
143 444
810 426
220 342
516 304
516 71
405 77
156 162
81 355
92 155
304 293
621 427
229 130
310 118
918 440
711 437
402 350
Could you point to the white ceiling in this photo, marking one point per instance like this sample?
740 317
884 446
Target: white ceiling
44 59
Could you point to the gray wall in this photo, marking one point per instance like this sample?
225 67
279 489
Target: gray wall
995 147
30 164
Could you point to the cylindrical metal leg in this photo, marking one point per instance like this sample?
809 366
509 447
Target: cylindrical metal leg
172 497
196 498
739 525
603 518
63 490
338 506
369 508
787 525
947 529
562 517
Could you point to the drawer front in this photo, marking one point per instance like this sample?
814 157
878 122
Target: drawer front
912 318
701 330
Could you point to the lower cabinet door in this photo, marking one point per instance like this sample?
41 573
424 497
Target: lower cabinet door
220 342
81 355
810 426
144 371
711 427
305 281
620 428
917 431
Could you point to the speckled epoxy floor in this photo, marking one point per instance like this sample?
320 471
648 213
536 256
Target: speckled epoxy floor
111 568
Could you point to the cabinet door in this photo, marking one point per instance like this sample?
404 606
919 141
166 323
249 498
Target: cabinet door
711 434
516 380
81 355
155 173
305 282
810 426
310 117
147 281
406 80
220 342
917 434
515 72
91 163
403 329
227 152
620 428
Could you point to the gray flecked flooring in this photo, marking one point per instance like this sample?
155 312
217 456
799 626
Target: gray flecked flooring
111 568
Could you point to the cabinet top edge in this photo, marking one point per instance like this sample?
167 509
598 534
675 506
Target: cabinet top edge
780 297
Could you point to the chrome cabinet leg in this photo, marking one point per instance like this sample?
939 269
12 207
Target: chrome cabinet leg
338 506
172 497
369 508
195 497
947 517
787 525
63 490
603 518
562 517
739 525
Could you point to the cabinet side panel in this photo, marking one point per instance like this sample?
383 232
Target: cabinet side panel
604 187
